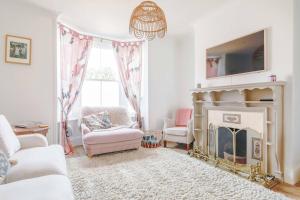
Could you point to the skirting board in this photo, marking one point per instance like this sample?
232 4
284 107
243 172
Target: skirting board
292 176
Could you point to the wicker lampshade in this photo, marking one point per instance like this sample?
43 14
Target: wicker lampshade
148 21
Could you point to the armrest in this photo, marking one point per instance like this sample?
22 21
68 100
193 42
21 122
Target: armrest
169 123
134 125
84 129
190 126
32 140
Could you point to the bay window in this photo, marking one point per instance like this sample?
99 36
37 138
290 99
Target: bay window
102 86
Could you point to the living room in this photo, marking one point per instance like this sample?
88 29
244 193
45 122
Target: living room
88 96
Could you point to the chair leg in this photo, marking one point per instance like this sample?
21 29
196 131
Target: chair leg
165 143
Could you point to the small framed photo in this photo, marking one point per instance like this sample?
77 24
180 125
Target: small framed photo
256 148
232 118
17 50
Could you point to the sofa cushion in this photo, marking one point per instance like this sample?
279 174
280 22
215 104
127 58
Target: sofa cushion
38 161
112 135
177 131
52 187
9 142
4 166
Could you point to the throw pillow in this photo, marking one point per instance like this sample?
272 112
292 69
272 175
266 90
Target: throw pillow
104 119
91 122
9 142
4 167
97 121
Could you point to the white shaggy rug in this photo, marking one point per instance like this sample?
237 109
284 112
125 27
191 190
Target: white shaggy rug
157 174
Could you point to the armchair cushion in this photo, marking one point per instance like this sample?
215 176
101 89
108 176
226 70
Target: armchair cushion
178 131
9 142
183 116
112 135
32 140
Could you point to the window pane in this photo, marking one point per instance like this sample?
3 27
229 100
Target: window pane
109 61
102 65
91 93
110 93
93 64
102 85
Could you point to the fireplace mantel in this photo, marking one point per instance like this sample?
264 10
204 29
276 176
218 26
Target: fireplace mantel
237 99
251 86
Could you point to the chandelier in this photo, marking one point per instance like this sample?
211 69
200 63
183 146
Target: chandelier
148 21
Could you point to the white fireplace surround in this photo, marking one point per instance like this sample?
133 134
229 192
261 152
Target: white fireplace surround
257 108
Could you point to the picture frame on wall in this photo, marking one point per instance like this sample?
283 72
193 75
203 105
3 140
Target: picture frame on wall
17 50
256 148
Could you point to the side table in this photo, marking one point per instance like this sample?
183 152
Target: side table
37 129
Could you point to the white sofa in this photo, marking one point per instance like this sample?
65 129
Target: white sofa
40 170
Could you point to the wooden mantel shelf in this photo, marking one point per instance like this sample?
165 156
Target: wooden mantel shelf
250 86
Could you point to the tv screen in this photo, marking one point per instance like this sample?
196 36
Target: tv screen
243 55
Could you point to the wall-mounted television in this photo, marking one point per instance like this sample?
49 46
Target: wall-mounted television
243 55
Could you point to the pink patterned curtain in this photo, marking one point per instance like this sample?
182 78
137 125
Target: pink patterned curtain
129 59
74 53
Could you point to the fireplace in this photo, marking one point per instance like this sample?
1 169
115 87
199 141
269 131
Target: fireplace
227 139
228 143
239 127
236 140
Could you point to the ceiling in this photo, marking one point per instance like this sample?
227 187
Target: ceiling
111 17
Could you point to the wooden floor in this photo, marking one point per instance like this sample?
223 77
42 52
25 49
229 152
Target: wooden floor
288 190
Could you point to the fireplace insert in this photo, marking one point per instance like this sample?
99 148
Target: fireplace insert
228 138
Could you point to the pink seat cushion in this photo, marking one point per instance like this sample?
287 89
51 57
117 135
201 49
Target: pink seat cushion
183 116
111 136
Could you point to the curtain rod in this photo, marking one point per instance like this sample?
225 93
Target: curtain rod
97 36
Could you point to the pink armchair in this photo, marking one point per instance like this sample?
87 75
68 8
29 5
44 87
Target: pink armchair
123 135
179 130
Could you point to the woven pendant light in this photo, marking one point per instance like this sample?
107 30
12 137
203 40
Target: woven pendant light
148 21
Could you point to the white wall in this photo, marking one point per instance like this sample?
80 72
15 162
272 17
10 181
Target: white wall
296 94
161 76
170 77
185 70
28 91
244 17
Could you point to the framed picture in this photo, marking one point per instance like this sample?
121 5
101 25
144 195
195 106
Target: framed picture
232 118
256 148
17 50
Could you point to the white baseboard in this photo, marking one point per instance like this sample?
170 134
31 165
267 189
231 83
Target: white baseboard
292 176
